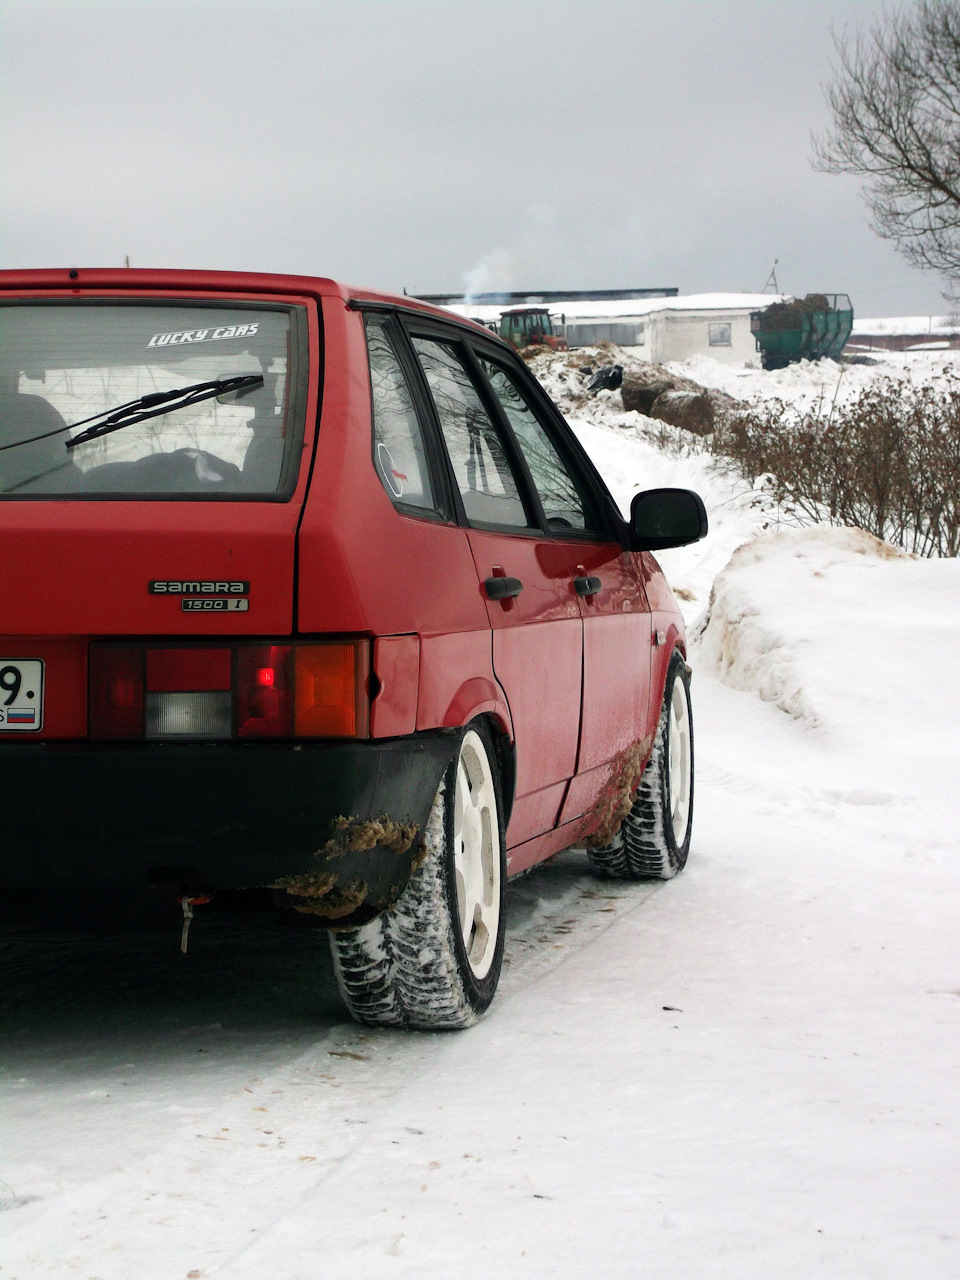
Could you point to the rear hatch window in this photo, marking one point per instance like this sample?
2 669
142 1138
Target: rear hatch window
122 399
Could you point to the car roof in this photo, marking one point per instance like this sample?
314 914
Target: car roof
137 278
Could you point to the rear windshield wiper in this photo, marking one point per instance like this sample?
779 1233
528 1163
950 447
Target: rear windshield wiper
152 405
157 403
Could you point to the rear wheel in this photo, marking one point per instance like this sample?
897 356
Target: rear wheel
654 841
433 961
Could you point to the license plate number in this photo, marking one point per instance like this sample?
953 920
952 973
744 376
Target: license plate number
21 695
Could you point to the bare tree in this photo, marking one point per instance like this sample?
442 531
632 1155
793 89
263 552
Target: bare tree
895 101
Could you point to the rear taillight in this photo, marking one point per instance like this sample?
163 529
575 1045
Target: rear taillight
244 690
331 697
115 699
264 691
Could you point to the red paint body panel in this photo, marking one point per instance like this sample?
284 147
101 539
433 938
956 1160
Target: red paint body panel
450 697
84 567
616 669
396 664
524 856
536 812
537 653
616 659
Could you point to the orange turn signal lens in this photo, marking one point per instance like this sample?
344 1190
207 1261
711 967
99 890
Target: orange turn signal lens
331 690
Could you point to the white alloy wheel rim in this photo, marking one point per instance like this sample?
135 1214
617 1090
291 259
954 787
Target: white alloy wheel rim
476 854
680 770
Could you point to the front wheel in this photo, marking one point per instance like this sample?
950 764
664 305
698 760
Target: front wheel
654 841
433 961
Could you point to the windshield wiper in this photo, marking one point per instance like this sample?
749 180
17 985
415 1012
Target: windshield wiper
157 403
152 405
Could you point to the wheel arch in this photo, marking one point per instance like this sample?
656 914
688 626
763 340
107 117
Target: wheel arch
674 641
505 762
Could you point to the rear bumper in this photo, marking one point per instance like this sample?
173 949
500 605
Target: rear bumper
222 816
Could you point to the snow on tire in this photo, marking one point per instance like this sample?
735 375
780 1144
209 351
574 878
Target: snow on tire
433 961
654 841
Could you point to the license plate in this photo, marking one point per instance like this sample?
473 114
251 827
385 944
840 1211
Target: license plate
21 694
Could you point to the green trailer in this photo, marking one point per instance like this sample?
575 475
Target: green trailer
812 328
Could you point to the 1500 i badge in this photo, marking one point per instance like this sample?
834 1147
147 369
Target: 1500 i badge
214 604
202 595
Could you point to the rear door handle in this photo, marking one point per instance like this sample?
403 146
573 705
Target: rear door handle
503 588
587 586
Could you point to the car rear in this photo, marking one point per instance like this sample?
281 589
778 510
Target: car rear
162 718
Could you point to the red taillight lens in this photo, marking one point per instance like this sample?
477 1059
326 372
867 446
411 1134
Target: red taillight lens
116 692
263 693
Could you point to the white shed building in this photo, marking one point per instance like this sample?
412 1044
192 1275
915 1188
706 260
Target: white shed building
713 324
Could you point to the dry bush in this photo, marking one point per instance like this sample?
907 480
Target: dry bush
888 462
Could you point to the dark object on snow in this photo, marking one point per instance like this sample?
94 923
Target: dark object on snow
642 395
691 410
607 379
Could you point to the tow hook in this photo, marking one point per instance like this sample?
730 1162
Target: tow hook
188 904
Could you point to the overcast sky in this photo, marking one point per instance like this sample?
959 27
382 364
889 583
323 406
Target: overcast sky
425 143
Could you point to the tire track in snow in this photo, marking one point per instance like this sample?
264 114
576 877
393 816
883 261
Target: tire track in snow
195 1200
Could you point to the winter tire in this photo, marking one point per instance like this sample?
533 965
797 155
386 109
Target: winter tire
654 840
433 961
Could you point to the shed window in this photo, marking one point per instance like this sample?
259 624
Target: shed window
720 335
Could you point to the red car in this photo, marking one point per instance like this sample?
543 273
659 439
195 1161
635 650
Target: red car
313 589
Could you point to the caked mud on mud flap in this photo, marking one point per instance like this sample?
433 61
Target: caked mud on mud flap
617 796
325 893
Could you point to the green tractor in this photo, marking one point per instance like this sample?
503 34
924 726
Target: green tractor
529 327
811 328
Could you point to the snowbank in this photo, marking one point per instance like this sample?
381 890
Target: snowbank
770 599
850 636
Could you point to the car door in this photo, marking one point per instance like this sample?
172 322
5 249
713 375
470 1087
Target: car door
534 616
586 547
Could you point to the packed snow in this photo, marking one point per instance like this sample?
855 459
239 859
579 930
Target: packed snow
751 1071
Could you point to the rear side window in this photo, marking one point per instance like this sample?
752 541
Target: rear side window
487 484
151 370
398 448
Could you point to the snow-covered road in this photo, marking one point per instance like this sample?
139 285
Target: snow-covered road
751 1071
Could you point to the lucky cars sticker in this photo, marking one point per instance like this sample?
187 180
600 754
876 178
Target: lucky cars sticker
219 334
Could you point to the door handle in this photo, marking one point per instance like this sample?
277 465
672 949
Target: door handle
587 586
503 588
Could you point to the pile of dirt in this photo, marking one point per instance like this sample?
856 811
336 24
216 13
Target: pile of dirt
672 398
692 410
576 379
783 317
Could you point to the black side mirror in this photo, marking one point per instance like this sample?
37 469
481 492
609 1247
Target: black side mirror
663 518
